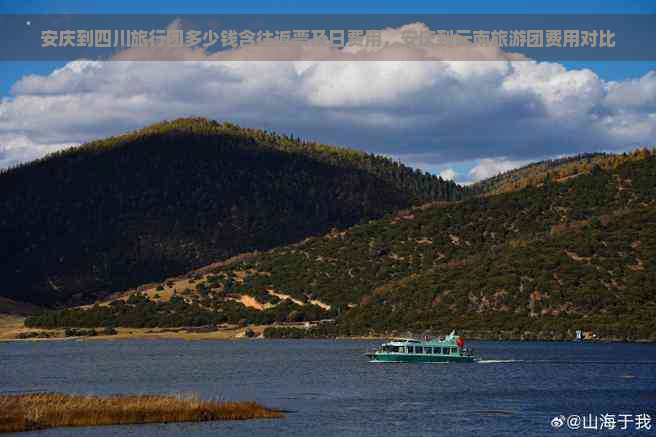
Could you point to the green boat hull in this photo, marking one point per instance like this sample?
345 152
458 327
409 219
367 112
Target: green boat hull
418 358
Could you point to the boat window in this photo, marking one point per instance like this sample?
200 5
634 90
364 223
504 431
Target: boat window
445 350
429 350
453 350
411 349
419 350
402 349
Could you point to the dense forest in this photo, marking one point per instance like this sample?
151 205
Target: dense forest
115 213
577 252
598 277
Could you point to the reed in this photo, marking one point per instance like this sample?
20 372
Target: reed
26 412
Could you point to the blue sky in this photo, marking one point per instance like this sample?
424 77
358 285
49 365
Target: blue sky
628 110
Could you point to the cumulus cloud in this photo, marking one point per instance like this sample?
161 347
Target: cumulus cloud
448 174
636 94
489 167
429 107
16 148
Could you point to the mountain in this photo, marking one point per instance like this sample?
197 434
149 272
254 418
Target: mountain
114 213
559 255
598 277
558 170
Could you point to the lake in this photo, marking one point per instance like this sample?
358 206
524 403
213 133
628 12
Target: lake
329 387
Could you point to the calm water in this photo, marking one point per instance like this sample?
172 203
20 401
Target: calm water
331 389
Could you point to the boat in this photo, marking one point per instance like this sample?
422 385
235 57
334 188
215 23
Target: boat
426 350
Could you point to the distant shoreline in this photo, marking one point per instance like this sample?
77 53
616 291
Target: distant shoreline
11 329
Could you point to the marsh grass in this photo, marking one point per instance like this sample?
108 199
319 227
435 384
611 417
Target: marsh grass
25 412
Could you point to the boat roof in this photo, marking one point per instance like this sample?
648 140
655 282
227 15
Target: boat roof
449 339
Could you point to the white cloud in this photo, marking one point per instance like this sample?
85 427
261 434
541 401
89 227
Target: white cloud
491 167
448 174
16 148
633 94
441 111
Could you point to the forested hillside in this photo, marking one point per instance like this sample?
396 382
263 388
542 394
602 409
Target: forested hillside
161 201
558 170
598 277
575 254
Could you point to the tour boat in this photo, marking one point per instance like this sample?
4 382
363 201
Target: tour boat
426 350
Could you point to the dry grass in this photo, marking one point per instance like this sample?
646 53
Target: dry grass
11 333
25 412
10 326
11 321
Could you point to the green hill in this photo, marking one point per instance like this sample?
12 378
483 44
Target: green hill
136 208
598 277
541 261
558 170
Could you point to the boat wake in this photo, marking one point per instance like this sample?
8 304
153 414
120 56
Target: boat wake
568 362
605 362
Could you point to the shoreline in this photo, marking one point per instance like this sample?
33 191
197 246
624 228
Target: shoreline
202 337
237 335
11 327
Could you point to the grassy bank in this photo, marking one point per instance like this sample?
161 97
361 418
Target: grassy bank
26 412
20 333
13 329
